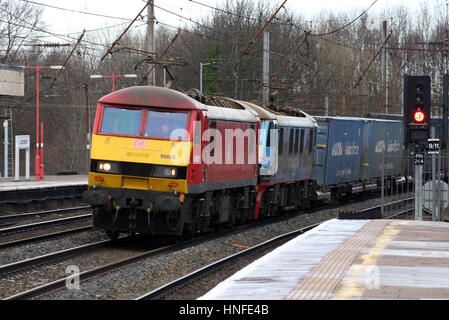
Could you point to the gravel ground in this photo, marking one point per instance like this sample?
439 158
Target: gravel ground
207 283
134 280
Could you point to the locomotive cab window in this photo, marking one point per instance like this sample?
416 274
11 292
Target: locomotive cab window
121 121
166 125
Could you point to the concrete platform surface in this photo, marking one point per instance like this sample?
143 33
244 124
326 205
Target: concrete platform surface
10 184
350 259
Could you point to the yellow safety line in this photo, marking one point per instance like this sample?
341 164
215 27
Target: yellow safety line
352 288
325 277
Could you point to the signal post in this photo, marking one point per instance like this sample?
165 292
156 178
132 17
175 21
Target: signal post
417 102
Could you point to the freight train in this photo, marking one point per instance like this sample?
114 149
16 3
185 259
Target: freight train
163 162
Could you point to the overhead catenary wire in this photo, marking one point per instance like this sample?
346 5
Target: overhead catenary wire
83 12
218 39
165 51
253 40
278 20
346 25
75 11
188 19
372 60
72 40
288 60
307 33
65 62
123 33
39 29
185 18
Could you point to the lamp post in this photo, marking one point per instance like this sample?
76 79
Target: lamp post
99 76
86 92
215 63
39 160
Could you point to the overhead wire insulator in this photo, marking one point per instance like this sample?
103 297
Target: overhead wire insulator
51 45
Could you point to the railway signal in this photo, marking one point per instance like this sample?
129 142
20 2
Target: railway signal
419 116
416 109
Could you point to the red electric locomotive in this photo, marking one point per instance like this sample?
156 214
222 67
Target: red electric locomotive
164 163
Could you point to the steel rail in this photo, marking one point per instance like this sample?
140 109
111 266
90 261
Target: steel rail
40 213
389 204
60 283
400 213
62 254
195 275
46 236
22 228
375 212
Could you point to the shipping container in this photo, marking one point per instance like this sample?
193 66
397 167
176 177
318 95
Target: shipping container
383 145
338 150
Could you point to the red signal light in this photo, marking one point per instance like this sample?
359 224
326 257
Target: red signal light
419 116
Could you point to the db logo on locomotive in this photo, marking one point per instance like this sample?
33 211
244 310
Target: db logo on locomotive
139 143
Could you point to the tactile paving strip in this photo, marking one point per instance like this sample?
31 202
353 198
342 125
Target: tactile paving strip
322 281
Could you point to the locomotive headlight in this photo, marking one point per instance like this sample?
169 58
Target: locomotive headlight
108 167
105 166
164 172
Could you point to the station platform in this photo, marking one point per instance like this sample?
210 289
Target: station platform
9 184
349 259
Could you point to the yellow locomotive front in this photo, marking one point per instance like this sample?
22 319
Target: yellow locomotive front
141 149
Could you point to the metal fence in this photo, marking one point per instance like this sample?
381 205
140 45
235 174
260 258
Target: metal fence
423 187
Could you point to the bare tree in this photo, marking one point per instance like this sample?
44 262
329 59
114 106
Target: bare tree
19 26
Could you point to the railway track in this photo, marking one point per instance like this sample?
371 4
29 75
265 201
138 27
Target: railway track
17 266
118 263
61 283
12 218
387 211
25 233
103 269
46 236
44 224
198 274
394 209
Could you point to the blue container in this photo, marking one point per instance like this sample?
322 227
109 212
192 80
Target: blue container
338 150
383 144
